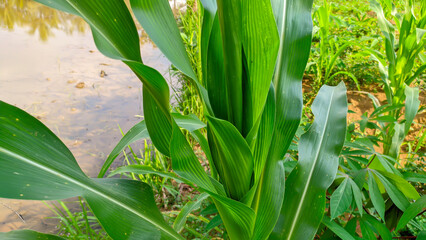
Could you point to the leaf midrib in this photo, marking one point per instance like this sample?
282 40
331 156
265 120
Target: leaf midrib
84 186
280 49
293 225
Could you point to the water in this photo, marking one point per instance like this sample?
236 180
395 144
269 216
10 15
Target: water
50 67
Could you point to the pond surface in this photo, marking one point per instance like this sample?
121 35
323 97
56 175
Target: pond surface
50 67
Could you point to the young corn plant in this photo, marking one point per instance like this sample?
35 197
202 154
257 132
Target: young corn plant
330 48
402 63
253 57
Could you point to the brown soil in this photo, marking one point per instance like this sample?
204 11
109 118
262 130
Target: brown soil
360 103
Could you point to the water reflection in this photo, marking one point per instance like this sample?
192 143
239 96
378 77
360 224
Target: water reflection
42 20
38 18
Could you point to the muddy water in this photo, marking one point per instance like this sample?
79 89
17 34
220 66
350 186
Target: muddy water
50 67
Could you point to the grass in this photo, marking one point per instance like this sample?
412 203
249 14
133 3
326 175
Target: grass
189 22
77 222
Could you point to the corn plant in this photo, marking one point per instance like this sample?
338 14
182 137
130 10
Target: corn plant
400 66
253 57
330 48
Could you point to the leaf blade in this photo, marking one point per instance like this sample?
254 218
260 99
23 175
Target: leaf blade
341 199
232 157
411 212
42 168
319 151
28 235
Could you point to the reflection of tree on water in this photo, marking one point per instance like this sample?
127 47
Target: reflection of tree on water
42 19
38 18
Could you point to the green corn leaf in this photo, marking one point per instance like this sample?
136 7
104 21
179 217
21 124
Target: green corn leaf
209 14
388 31
215 75
237 217
153 83
397 139
341 199
185 163
158 123
199 137
156 18
384 119
351 75
269 198
385 80
194 125
232 157
156 105
385 109
420 35
262 140
27 235
419 71
411 212
137 132
294 22
393 214
269 175
412 104
230 19
189 122
375 195
337 229
38 166
319 150
114 32
260 42
186 210
137 216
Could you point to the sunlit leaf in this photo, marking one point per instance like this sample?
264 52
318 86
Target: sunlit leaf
412 104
